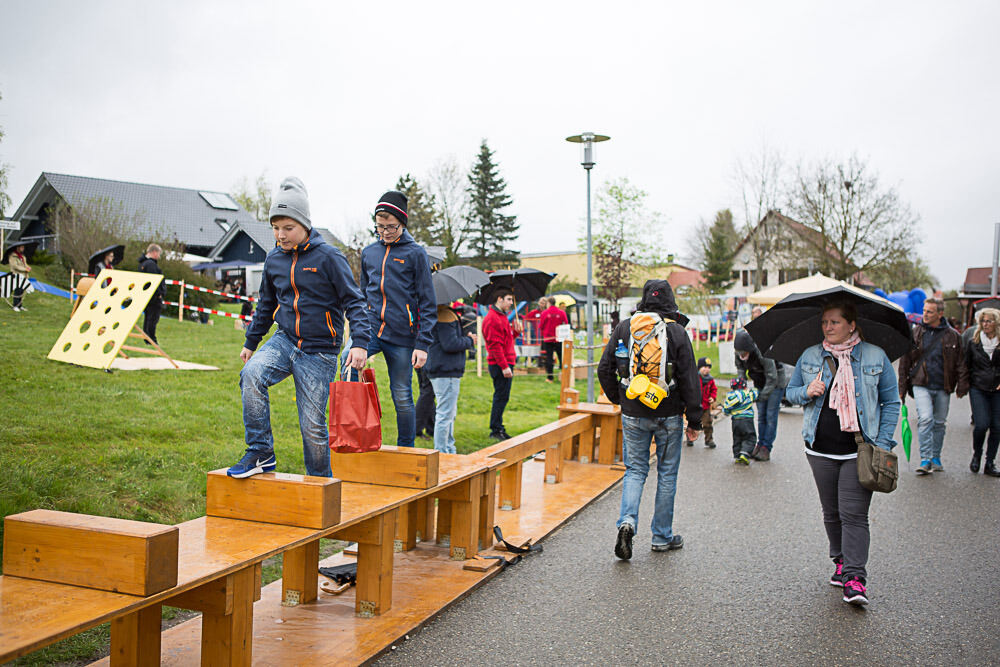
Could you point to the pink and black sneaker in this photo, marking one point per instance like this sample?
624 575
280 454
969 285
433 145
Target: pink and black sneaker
837 578
855 592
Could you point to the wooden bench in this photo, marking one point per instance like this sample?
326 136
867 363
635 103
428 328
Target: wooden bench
554 439
607 418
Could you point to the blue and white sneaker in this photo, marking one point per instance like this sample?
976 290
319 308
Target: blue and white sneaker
936 465
253 463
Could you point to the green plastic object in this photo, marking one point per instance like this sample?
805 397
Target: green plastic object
905 431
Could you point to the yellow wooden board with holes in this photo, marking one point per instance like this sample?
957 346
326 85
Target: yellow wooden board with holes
104 318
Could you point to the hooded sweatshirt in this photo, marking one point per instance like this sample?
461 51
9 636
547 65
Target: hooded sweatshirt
306 291
763 371
657 297
396 282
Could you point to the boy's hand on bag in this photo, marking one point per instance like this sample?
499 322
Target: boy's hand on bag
357 357
817 387
419 358
245 354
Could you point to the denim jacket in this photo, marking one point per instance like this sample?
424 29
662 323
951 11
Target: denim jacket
876 392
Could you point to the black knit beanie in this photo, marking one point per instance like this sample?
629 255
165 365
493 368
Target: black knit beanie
393 203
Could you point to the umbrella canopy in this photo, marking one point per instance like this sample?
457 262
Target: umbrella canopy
98 257
29 250
436 254
793 324
457 282
527 285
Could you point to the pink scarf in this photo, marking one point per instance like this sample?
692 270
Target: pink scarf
842 389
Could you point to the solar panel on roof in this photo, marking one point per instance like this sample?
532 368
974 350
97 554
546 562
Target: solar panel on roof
219 200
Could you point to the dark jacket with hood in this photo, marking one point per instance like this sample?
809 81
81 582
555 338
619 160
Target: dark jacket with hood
657 297
149 265
765 373
306 291
947 351
984 371
396 282
446 356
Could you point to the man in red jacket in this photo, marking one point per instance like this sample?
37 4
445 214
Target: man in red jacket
499 338
551 317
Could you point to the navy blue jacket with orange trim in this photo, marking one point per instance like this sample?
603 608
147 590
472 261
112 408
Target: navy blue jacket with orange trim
396 281
307 290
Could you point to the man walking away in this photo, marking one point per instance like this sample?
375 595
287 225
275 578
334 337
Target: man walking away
664 423
930 372
148 264
499 338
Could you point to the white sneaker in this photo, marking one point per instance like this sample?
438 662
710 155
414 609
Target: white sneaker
17 309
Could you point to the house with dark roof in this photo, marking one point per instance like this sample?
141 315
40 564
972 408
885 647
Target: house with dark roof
249 242
198 219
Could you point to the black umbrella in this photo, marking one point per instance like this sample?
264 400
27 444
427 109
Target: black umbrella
29 250
98 257
527 285
793 324
457 282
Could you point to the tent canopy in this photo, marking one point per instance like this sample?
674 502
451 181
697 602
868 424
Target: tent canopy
814 283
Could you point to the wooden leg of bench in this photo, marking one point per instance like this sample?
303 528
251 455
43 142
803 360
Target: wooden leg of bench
553 464
299 577
406 528
567 447
487 506
587 446
510 487
609 440
135 638
443 521
227 639
421 519
465 503
376 544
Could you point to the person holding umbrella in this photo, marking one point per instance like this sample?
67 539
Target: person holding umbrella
983 366
105 259
18 259
850 393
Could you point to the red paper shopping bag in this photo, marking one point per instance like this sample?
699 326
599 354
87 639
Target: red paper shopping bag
355 415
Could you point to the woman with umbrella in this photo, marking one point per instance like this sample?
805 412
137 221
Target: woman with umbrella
17 257
105 259
849 391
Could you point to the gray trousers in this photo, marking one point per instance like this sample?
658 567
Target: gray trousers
845 511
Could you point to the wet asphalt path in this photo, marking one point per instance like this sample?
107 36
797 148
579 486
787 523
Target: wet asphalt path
750 585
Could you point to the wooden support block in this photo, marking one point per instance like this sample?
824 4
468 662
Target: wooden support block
510 487
275 497
422 521
117 555
480 564
135 638
375 557
569 396
569 447
408 467
553 465
299 580
443 534
406 528
587 446
465 517
609 439
487 507
227 639
215 597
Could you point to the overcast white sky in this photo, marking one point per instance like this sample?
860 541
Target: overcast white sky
350 95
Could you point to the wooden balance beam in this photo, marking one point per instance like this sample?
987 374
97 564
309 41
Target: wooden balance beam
607 418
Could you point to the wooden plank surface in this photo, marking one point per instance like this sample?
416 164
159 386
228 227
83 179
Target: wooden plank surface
274 497
410 467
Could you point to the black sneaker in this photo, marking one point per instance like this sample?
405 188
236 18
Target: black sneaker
498 436
710 444
761 453
837 578
855 592
676 542
623 547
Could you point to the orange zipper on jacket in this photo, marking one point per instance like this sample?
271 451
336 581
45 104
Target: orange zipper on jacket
382 288
295 301
329 325
409 314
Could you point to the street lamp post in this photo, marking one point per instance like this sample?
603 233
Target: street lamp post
588 139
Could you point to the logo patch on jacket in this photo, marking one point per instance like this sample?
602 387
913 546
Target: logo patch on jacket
397 259
309 268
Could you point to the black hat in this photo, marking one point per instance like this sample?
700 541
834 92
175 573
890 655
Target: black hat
393 203
704 361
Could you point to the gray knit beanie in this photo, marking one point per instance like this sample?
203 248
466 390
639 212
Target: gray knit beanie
291 201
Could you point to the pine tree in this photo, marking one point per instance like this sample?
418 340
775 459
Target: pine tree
421 210
489 232
717 267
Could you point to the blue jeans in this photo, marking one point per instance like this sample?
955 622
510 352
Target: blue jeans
399 360
637 434
932 413
446 391
767 418
985 416
273 362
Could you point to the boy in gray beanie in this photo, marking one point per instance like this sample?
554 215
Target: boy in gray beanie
306 289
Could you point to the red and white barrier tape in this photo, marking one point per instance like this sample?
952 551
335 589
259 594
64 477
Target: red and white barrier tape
210 311
211 291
